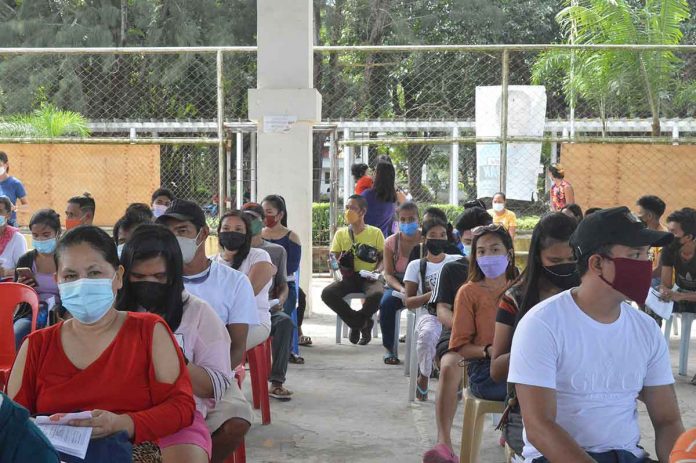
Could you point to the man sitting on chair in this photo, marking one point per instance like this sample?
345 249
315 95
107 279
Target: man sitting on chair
356 247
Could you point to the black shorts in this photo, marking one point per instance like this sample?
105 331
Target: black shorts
443 343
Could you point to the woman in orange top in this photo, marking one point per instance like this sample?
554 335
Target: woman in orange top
123 367
362 180
491 271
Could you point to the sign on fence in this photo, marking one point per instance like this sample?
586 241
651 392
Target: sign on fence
526 117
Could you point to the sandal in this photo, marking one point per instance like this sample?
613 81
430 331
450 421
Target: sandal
305 341
296 359
391 359
280 393
421 394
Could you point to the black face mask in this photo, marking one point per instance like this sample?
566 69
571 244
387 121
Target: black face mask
435 247
564 276
150 295
232 241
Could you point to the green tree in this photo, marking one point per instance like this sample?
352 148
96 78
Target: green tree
602 77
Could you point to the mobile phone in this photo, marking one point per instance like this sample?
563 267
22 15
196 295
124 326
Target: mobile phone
25 272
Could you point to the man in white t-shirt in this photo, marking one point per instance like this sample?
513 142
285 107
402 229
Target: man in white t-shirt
581 359
230 294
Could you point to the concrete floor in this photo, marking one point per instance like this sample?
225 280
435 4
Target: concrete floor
350 407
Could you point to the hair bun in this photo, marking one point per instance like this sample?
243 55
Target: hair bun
87 194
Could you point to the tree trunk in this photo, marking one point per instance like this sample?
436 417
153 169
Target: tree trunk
652 98
416 156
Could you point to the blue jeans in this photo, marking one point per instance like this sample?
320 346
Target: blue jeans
22 328
291 302
612 456
389 309
482 385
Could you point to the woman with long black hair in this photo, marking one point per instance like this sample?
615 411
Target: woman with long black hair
550 270
234 235
381 198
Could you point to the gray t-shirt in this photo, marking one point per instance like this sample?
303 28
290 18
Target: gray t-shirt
279 258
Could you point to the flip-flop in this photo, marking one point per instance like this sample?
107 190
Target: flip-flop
421 394
440 454
305 341
391 359
296 359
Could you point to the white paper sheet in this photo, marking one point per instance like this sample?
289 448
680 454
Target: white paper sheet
657 305
72 440
62 418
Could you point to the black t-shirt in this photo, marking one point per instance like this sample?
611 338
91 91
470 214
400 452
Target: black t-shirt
685 271
452 276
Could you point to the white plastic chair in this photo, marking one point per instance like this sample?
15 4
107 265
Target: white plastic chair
686 321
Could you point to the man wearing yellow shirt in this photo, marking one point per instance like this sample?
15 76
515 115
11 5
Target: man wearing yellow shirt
356 247
503 216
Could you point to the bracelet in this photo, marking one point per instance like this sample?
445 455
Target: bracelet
486 355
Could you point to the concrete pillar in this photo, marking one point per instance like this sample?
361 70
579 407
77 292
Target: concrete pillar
285 89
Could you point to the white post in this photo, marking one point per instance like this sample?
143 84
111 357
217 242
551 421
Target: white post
240 170
675 133
365 152
252 146
285 92
347 161
454 168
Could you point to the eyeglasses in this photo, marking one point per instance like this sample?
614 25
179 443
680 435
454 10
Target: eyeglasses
480 230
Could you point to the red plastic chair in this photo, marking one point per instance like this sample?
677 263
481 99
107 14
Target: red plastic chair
12 294
259 368
239 454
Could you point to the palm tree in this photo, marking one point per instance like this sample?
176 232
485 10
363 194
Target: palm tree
45 122
600 76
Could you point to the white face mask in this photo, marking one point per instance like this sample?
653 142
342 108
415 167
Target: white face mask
158 210
498 207
2 170
188 246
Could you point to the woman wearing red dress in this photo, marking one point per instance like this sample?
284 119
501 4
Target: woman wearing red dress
123 367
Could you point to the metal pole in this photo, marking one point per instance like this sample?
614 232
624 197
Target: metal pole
240 171
252 146
504 120
333 183
228 192
454 169
222 174
347 155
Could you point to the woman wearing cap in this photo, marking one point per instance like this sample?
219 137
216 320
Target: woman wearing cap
276 231
234 234
561 192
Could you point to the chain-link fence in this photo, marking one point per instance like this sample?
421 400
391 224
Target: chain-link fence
458 122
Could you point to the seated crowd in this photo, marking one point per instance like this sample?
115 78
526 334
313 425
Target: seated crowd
148 311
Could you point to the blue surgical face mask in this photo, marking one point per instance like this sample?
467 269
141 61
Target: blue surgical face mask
119 249
46 246
3 221
408 229
88 300
466 250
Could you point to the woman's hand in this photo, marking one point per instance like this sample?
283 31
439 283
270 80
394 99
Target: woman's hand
105 423
27 281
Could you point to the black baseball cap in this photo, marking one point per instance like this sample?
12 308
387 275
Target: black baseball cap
616 225
184 210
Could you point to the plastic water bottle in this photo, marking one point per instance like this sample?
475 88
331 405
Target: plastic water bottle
333 262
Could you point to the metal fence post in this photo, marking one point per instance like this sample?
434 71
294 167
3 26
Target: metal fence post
240 171
504 120
454 168
333 184
252 149
222 174
347 155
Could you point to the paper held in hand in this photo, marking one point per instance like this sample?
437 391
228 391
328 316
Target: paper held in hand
657 305
71 440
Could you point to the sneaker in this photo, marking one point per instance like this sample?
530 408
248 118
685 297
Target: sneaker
354 335
440 454
366 332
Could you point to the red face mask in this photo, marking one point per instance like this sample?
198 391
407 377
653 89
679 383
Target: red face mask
632 278
271 221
